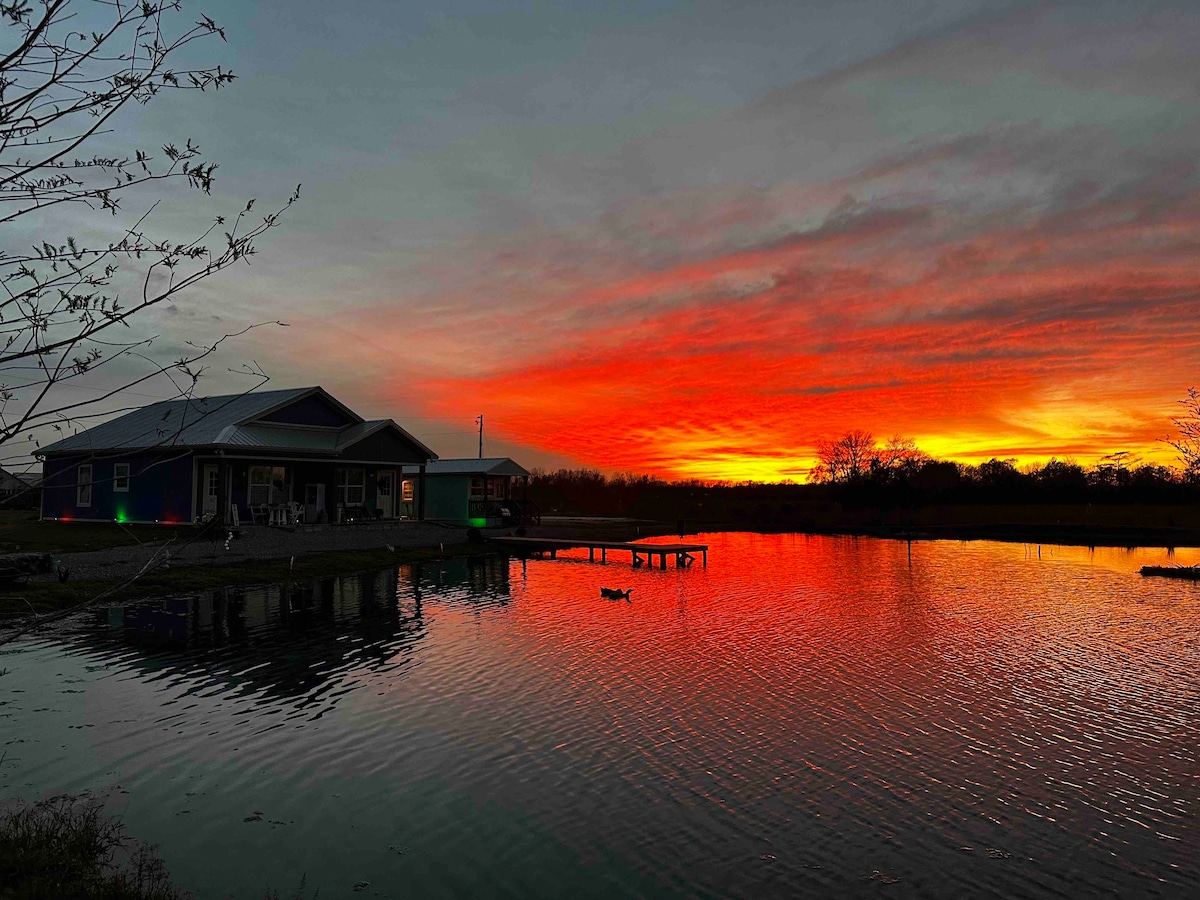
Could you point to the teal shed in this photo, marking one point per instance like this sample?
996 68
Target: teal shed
480 493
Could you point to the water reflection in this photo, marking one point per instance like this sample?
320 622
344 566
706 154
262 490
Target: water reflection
294 639
807 716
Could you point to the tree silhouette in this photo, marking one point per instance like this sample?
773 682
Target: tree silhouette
67 301
1187 441
846 460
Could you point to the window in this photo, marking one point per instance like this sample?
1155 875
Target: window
477 488
120 478
406 491
268 485
83 486
496 488
351 486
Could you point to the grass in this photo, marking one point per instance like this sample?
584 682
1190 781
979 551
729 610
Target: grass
47 596
66 848
20 530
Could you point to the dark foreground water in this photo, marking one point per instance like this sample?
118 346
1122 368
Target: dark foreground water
807 717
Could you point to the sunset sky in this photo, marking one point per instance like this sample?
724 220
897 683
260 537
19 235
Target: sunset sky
693 239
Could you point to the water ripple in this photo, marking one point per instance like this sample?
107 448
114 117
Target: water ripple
807 715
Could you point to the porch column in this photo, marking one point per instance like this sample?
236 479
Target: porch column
421 493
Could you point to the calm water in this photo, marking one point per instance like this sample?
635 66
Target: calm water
808 716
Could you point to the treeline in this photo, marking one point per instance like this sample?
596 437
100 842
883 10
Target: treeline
912 481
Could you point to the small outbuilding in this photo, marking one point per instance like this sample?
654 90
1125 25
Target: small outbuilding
480 493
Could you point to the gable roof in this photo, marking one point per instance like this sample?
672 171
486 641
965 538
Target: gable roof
230 420
496 465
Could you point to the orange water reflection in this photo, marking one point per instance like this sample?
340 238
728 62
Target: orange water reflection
806 716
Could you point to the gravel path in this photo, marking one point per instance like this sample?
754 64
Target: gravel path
257 543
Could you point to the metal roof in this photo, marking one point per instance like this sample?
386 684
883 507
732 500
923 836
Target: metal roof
224 421
498 465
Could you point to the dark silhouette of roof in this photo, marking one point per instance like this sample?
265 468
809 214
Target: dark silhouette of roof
497 465
230 420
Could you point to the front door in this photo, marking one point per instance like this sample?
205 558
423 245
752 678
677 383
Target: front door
211 486
385 489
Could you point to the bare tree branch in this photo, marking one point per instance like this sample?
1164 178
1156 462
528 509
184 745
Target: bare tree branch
67 306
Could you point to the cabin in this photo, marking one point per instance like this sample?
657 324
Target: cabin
275 457
480 493
13 484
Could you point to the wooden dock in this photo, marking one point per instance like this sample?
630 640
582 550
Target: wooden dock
551 546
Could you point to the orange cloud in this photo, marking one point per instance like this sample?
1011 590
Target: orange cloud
1064 337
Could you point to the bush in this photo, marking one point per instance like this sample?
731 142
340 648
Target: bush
68 847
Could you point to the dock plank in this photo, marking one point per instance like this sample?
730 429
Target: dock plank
636 549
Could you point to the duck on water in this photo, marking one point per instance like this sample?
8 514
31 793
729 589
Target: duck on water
615 594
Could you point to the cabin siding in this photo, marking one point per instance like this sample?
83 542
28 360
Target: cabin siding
309 411
159 490
385 444
446 498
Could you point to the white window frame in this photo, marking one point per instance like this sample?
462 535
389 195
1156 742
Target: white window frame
347 486
83 485
120 478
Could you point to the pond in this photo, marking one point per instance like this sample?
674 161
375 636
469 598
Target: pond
807 715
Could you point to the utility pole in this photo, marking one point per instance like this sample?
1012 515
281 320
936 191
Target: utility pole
479 419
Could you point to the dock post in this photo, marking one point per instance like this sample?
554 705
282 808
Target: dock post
705 557
591 554
603 554
554 553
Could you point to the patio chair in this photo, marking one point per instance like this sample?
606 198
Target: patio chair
296 513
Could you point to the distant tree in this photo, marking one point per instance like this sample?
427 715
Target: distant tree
67 68
1187 440
898 460
1113 471
997 473
937 478
1150 478
846 460
1063 479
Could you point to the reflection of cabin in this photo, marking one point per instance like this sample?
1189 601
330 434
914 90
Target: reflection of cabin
475 492
275 456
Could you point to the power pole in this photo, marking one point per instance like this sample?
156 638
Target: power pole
479 419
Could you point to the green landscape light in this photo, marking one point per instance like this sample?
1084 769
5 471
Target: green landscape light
477 523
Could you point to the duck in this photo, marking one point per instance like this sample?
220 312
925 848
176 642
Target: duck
616 594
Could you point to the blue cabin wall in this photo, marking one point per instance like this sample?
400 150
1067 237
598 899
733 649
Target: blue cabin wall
312 410
159 490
